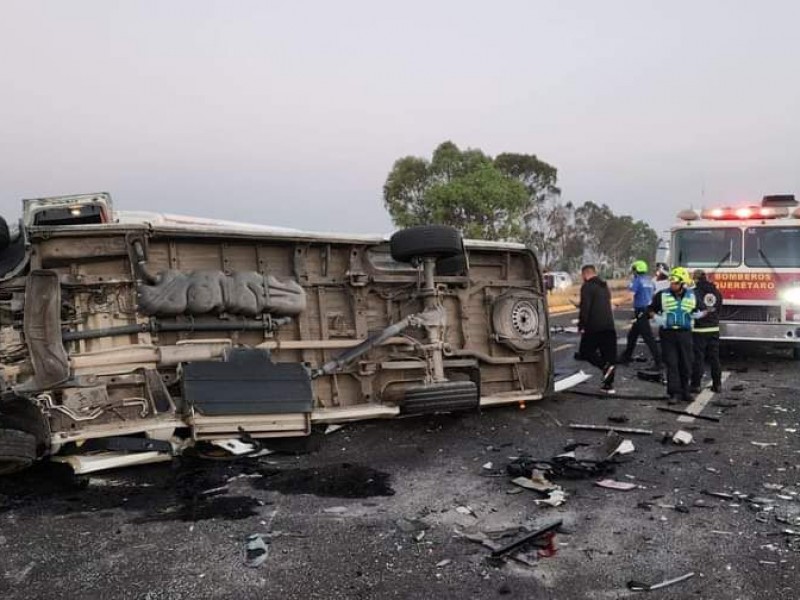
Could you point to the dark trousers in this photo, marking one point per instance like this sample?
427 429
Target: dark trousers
676 349
600 349
641 327
706 350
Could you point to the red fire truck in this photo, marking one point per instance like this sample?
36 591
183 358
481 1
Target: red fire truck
752 253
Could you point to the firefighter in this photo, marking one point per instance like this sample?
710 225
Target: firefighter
596 323
643 289
705 335
673 310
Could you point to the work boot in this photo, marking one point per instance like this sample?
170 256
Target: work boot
686 397
716 388
608 375
695 389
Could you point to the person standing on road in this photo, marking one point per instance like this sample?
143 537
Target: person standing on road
705 335
643 288
673 310
596 325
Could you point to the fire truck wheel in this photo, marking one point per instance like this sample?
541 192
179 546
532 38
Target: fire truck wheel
17 450
426 241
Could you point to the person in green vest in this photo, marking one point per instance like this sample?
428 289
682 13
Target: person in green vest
705 335
674 310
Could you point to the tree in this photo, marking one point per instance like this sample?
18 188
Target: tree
463 189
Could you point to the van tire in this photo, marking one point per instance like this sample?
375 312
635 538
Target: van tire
796 352
5 235
17 450
426 241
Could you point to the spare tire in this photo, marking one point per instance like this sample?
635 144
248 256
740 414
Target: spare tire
5 235
426 241
17 450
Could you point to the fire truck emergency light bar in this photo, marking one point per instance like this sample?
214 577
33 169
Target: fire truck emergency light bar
728 213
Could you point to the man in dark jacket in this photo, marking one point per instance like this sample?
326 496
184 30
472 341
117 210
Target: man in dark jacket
705 335
596 324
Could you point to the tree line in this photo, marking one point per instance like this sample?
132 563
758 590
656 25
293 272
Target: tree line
513 197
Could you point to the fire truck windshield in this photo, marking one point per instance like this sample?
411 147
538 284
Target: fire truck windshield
777 247
708 248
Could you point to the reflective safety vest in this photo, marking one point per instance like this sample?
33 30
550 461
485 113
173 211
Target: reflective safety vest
678 311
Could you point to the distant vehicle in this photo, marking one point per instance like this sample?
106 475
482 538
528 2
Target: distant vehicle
558 280
752 254
128 337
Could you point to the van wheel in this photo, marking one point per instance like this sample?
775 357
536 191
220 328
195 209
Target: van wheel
426 241
17 450
5 235
796 352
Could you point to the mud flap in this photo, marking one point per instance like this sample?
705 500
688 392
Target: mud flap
248 392
446 396
42 326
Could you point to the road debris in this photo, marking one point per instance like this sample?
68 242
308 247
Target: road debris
763 444
686 413
683 451
554 498
466 510
618 419
332 428
611 484
721 495
638 586
569 382
488 466
256 550
682 438
443 563
545 534
610 428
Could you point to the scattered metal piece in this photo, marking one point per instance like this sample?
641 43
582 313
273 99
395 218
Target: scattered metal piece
676 411
443 563
763 444
678 451
638 586
609 428
721 495
612 484
527 538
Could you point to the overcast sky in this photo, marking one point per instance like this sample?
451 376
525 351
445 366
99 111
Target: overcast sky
292 113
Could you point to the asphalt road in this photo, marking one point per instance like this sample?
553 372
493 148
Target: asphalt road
373 510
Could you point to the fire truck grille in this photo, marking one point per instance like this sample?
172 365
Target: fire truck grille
750 314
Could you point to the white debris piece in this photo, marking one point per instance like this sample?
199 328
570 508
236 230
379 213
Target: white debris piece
682 438
234 446
571 381
554 498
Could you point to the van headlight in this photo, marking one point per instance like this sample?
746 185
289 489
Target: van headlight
791 296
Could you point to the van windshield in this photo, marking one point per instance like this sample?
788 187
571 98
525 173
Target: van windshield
708 248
